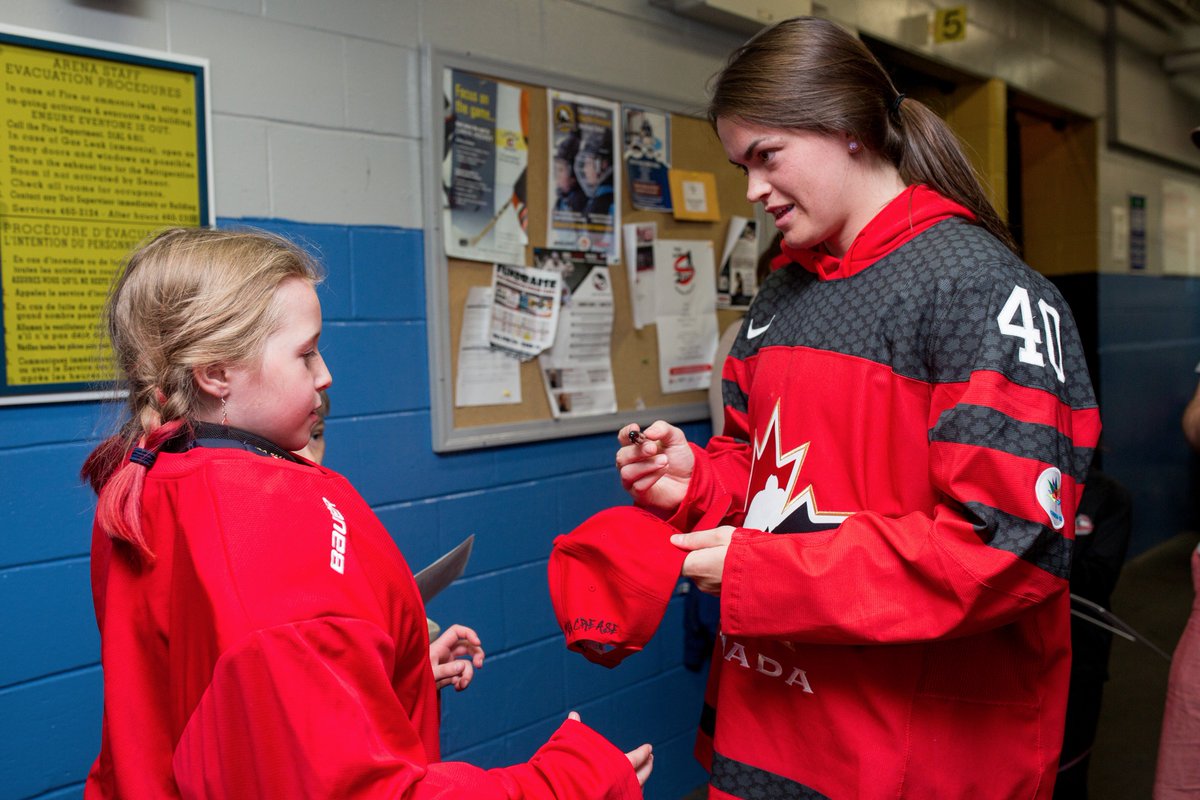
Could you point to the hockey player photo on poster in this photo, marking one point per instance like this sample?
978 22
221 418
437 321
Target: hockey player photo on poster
648 157
585 210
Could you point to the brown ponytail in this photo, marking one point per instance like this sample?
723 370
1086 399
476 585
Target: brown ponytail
809 74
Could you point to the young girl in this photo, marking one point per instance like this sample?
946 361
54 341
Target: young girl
261 634
908 423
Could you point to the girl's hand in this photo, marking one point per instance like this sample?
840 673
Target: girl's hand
640 758
445 656
655 465
642 761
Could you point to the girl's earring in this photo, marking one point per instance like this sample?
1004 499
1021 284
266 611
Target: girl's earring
853 146
224 417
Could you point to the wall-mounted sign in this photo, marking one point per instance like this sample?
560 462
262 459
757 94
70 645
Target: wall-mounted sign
1137 232
950 24
100 146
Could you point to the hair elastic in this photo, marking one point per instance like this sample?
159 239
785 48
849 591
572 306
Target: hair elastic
896 103
140 455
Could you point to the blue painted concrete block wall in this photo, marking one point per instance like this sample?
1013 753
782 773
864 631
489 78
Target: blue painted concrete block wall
1149 345
515 499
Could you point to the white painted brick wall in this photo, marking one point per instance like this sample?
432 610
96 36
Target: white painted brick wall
348 178
382 88
316 104
264 69
394 22
242 6
240 155
146 28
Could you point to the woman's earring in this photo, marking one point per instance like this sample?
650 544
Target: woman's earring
853 146
224 418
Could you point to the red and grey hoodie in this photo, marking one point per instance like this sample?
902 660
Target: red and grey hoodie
907 431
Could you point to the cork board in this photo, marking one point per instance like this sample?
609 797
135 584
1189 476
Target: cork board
694 146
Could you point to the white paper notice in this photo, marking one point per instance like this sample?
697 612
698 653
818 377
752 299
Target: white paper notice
1180 226
486 377
577 369
685 295
524 309
695 199
639 263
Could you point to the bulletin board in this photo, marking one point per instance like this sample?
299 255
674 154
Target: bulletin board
640 399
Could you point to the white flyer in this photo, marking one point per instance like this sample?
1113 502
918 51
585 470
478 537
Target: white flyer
639 264
524 309
577 369
685 296
486 376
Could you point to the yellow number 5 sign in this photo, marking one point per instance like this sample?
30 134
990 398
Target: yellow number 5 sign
950 24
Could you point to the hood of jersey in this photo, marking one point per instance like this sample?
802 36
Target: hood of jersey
915 209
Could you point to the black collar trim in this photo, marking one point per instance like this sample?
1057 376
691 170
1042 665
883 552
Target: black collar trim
208 434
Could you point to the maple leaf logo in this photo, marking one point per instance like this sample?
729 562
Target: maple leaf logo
775 495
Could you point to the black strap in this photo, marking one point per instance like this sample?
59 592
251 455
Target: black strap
208 434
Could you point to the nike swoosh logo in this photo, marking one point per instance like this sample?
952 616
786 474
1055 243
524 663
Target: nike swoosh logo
753 332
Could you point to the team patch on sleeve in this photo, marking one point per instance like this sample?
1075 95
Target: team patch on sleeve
1048 491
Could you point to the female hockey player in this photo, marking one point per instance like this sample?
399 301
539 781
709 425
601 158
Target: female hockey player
908 424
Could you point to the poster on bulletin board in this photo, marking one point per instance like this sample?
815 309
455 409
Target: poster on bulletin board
100 146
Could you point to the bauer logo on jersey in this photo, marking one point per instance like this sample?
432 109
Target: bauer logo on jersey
337 539
1049 495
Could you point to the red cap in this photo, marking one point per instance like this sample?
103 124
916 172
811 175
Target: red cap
610 580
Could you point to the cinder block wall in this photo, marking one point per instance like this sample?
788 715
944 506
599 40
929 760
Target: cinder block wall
316 134
316 122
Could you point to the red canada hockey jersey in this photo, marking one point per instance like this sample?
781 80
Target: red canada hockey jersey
907 433
277 647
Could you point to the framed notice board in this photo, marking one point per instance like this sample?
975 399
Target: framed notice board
639 398
100 146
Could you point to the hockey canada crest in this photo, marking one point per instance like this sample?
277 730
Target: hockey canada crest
776 499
